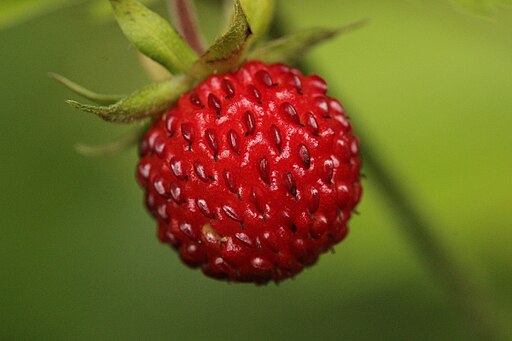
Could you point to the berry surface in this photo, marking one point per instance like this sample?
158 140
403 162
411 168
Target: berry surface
253 174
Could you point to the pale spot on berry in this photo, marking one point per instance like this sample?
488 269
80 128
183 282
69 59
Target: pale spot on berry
210 234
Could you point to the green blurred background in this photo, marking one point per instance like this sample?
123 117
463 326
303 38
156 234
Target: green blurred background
79 258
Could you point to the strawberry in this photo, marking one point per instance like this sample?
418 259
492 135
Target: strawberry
253 174
249 168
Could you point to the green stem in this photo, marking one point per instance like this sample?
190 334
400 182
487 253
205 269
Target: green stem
466 296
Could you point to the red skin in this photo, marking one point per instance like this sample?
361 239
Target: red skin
252 197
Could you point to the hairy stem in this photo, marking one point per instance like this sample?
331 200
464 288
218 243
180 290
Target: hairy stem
184 17
465 295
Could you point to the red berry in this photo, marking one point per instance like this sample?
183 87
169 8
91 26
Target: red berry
253 174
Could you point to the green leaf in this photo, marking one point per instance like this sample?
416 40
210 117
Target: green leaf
148 102
226 51
291 47
86 93
14 12
260 14
153 36
117 146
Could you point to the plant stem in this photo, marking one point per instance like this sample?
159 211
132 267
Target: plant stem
466 296
184 16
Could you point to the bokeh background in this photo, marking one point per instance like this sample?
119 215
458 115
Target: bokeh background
431 85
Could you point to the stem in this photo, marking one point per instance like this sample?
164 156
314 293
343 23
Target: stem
466 296
184 16
473 306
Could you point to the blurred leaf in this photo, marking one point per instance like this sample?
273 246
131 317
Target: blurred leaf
13 12
119 145
226 50
153 36
291 47
260 15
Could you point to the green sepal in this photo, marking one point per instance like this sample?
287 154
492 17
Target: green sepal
86 93
117 146
148 102
291 47
226 51
153 36
260 14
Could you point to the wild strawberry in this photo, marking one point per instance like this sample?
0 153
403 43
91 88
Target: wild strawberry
251 174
